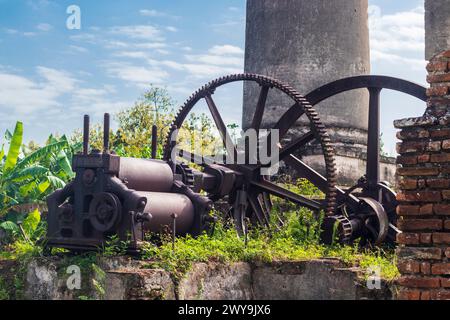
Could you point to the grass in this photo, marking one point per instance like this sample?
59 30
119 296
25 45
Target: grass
291 243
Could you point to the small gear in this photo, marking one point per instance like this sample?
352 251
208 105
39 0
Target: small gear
186 173
343 228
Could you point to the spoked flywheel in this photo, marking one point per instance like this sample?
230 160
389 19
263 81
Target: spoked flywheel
245 183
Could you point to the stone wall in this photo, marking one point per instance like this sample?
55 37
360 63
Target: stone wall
127 279
424 197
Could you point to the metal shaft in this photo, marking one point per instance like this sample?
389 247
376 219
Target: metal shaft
154 141
106 126
86 135
373 142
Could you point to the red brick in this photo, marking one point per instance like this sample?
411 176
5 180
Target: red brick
415 172
412 146
425 295
438 183
423 158
445 54
434 146
446 194
408 238
441 295
438 78
434 66
442 133
445 169
407 160
445 282
437 91
425 238
420 224
405 210
440 268
447 252
408 184
419 282
440 158
441 238
426 210
442 209
447 224
437 105
422 196
405 294
416 133
429 253
446 144
425 268
409 266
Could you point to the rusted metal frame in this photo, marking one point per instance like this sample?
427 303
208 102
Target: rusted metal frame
373 144
231 151
283 193
361 82
318 180
259 111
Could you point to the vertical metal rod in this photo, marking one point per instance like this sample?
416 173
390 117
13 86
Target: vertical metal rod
106 126
373 142
173 146
174 229
154 141
86 135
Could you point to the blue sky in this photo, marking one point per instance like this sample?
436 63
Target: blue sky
50 76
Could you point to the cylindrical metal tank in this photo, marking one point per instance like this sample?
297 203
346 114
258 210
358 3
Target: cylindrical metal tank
146 175
308 44
437 27
162 205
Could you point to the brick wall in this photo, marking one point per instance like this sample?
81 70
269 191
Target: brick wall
424 192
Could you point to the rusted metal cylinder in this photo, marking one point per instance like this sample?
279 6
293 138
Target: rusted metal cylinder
146 175
162 206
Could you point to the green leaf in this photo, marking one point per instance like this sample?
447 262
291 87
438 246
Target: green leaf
35 172
56 182
65 165
25 189
14 147
43 186
42 153
31 222
10 226
2 153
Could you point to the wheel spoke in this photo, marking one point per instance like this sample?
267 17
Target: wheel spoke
259 112
317 179
294 145
283 193
231 150
286 121
257 208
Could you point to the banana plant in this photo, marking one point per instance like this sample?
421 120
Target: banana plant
28 179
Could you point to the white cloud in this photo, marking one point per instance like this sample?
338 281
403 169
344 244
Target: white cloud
78 49
397 37
143 32
136 75
44 27
151 13
226 49
171 29
22 95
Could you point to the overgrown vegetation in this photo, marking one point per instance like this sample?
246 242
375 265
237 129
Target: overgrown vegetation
297 240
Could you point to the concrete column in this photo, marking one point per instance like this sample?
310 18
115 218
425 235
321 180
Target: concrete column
437 27
308 44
